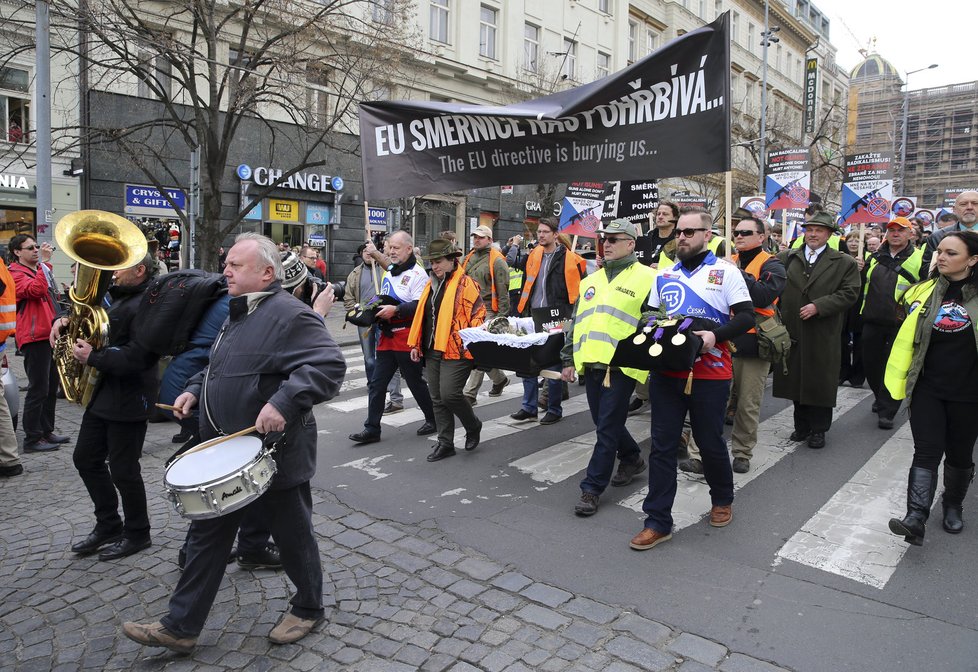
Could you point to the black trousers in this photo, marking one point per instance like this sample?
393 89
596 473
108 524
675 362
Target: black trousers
107 459
942 427
289 513
812 418
877 341
386 364
41 397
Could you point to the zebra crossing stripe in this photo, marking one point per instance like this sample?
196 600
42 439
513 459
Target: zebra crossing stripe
848 536
693 494
504 426
411 415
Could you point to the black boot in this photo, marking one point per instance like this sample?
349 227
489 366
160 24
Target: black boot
921 486
956 482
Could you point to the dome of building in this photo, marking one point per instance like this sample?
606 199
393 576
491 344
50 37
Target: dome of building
873 67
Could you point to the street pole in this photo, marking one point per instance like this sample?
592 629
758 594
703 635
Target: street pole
42 132
903 134
767 37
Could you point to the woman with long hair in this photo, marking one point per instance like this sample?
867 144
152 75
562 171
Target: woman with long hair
934 363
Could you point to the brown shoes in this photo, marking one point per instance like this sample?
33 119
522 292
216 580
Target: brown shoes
720 516
291 628
648 538
154 634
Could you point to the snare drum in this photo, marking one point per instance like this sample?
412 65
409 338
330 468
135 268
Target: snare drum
221 478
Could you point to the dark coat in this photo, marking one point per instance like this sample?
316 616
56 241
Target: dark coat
279 353
127 384
816 343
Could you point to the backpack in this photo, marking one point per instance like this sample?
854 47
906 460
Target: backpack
172 306
773 340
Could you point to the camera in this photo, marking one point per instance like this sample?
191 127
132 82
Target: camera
339 288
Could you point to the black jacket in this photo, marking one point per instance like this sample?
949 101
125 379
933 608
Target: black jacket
763 293
127 385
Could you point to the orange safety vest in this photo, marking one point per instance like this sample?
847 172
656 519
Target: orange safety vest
575 268
461 307
494 254
754 268
8 304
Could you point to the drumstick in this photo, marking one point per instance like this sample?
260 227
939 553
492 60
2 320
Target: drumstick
222 439
167 407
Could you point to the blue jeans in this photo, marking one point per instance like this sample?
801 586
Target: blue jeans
555 392
609 410
706 407
368 346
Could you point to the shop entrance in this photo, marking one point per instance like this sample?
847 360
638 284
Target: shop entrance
14 221
292 234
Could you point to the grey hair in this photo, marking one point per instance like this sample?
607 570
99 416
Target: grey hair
268 254
406 237
149 263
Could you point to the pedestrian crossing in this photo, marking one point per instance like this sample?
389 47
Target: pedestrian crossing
847 536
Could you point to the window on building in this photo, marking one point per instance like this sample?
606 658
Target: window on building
488 17
15 104
438 21
750 36
243 80
383 11
651 40
717 8
702 9
317 97
777 58
154 82
570 59
632 41
531 47
735 27
604 6
604 64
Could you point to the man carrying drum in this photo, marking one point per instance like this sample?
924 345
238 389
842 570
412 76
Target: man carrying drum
273 360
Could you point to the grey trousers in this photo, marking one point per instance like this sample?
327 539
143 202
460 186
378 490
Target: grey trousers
446 377
476 377
8 440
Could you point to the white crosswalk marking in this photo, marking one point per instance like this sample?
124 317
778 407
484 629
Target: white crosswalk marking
849 535
504 426
693 495
410 415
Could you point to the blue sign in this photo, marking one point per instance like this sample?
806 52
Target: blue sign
147 200
318 214
337 183
244 172
377 219
255 212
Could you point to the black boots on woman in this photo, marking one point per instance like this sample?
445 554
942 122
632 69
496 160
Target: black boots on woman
920 495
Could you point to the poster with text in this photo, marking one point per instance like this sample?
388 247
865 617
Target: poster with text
757 205
867 188
634 200
581 209
666 115
788 178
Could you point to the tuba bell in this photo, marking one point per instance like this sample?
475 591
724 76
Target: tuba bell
101 243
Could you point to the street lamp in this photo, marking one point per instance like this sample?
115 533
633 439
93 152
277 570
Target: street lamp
906 119
767 38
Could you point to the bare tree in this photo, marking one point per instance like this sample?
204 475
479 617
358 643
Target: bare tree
290 70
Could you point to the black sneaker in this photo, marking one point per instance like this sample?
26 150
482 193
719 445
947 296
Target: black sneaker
691 465
427 429
741 465
266 558
497 390
6 471
523 415
588 506
627 471
549 419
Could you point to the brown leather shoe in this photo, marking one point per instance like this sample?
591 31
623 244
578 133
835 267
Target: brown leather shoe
154 634
291 628
720 516
648 538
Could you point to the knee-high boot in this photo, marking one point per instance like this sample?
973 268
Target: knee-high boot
956 482
921 486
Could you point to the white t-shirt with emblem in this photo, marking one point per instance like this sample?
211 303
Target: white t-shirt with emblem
706 292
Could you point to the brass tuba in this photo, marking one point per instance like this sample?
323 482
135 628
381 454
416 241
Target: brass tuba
101 243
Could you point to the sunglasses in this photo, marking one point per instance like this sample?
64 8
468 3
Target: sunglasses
687 233
28 247
744 232
617 239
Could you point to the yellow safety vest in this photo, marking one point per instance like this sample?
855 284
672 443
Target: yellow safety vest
608 312
901 354
911 264
714 244
515 279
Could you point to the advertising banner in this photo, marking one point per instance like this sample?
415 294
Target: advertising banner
788 179
867 188
811 84
665 115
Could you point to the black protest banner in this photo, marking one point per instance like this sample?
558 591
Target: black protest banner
633 200
666 115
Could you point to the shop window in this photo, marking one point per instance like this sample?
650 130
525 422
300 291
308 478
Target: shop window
15 104
14 221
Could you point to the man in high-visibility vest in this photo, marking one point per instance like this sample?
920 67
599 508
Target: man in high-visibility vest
487 266
889 272
9 459
609 309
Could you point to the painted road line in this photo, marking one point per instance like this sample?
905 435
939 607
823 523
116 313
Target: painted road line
409 415
693 494
849 535
560 462
504 426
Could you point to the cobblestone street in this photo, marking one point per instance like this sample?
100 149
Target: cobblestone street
397 597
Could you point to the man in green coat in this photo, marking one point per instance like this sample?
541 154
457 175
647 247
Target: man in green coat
822 284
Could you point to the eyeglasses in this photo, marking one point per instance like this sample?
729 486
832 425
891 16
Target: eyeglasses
28 247
687 233
744 232
616 239
308 257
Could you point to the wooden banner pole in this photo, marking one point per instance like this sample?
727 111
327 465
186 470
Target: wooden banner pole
366 233
728 228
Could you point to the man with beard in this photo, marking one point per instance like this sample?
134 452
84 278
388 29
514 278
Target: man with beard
703 286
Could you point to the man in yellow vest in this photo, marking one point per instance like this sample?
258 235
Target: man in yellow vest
487 266
609 309
888 273
9 459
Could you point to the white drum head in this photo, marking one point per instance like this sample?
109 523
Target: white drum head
214 462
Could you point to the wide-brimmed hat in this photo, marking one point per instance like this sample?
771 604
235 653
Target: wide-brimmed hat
439 248
295 270
826 219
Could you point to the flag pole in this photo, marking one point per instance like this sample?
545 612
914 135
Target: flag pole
728 232
366 233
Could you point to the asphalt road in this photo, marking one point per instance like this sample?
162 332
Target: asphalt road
806 576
